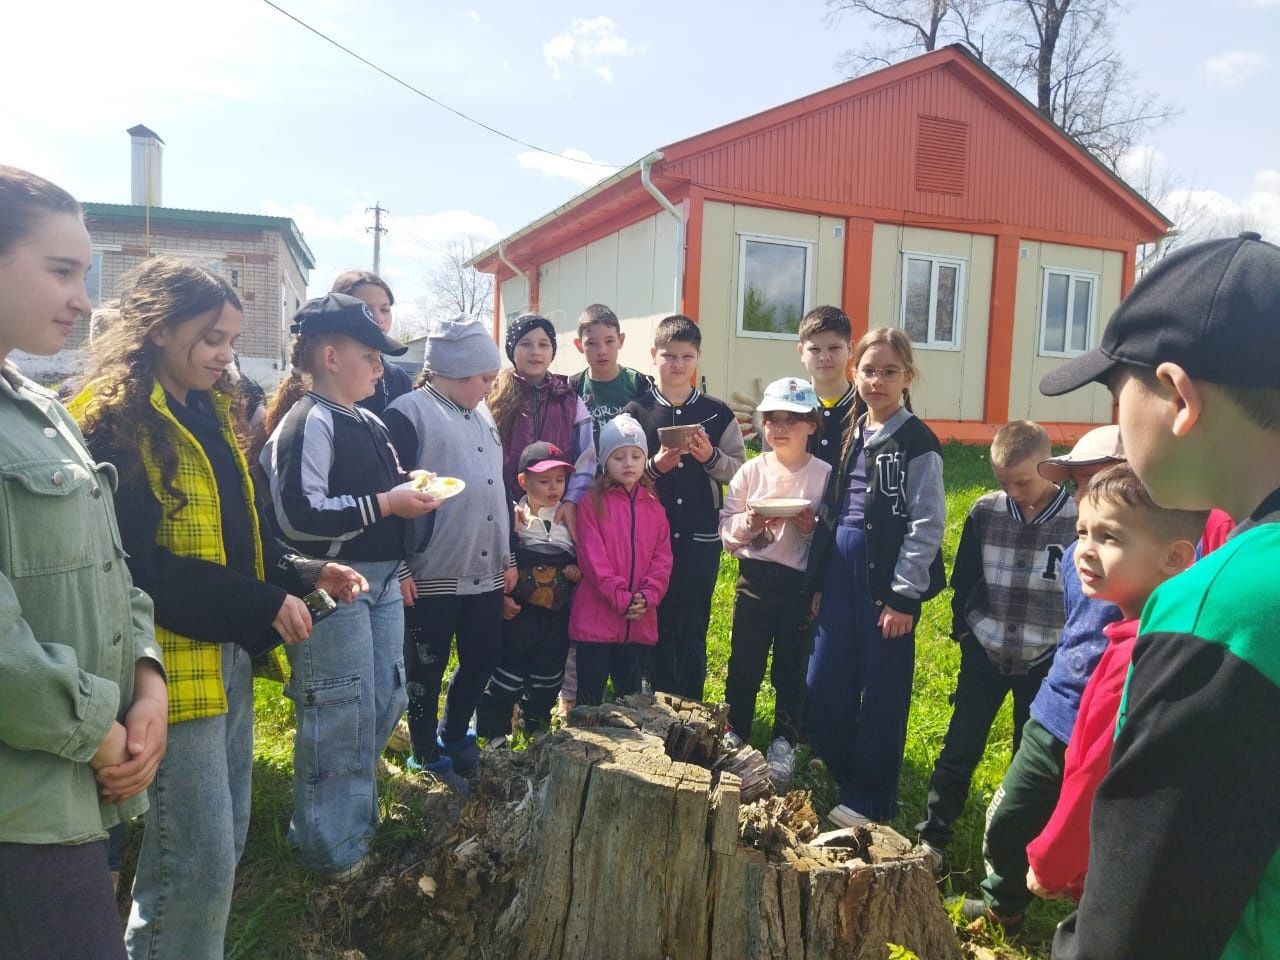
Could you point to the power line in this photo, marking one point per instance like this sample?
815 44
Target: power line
427 96
419 239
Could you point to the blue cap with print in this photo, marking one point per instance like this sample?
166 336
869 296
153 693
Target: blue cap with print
789 393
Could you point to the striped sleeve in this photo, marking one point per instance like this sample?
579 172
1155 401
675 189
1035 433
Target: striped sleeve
584 454
302 456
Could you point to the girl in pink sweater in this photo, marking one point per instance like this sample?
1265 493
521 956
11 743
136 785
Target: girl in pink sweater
770 609
624 550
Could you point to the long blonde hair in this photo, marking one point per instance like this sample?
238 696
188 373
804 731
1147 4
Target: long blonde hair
898 341
304 360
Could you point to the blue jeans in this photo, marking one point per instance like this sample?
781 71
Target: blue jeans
859 686
196 828
347 686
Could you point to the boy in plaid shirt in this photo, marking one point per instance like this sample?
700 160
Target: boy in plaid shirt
1006 614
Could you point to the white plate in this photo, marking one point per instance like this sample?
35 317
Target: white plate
442 488
778 507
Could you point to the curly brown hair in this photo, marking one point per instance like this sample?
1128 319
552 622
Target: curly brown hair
162 292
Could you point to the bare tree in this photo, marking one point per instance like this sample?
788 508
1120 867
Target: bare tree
1058 52
908 27
454 288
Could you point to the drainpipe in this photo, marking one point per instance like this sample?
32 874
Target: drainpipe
502 256
645 165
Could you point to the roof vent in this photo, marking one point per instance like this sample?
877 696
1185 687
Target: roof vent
942 155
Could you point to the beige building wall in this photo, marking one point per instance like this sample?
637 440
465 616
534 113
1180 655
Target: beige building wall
1092 404
951 383
631 270
732 362
258 263
513 298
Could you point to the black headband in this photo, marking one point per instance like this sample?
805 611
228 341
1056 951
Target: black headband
524 325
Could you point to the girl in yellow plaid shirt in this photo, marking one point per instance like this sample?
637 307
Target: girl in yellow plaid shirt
158 403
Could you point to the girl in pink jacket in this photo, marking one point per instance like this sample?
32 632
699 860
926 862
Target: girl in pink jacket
624 550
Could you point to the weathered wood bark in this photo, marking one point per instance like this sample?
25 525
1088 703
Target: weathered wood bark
616 850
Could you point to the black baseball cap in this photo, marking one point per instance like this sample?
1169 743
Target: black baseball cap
349 316
541 456
1213 308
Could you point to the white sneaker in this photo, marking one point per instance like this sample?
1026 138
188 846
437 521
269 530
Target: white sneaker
782 762
353 872
732 741
847 817
934 857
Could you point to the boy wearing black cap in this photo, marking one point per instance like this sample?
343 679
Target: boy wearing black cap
535 635
1185 831
336 494
376 294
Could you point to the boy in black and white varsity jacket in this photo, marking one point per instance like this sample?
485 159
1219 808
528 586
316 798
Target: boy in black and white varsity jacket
876 557
689 481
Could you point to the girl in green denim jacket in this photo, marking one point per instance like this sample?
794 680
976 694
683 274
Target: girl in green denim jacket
82 691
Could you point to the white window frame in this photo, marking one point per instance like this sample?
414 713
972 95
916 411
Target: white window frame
936 260
1072 276
809 248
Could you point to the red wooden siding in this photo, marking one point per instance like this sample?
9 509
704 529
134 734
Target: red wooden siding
862 151
942 155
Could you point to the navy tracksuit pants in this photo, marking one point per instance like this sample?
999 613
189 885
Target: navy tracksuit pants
859 686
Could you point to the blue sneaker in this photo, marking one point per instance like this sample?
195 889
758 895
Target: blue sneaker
464 753
442 769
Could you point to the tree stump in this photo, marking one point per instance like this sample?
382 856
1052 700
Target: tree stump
605 845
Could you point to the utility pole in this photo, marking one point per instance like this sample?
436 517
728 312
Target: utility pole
377 230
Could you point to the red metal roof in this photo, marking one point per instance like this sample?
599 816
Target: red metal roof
938 138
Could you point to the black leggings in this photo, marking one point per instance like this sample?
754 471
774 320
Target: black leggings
430 626
624 663
770 610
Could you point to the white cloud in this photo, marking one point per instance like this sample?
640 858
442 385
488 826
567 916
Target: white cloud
590 45
1233 68
410 248
584 174
317 227
1211 213
474 15
422 237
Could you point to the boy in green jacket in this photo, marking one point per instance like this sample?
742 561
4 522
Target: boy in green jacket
1185 831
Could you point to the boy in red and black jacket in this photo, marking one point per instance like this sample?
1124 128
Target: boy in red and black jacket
1185 830
1127 547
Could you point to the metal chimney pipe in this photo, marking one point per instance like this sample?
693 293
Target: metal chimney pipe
148 154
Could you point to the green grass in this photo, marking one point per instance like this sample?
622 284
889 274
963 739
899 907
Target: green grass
270 916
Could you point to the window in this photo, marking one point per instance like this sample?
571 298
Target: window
932 292
1067 313
773 286
93 279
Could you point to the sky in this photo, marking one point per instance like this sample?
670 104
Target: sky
259 115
